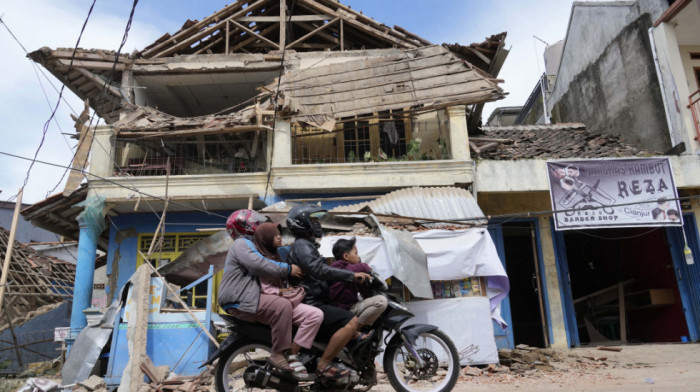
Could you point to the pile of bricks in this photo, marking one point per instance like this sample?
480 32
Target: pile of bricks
524 357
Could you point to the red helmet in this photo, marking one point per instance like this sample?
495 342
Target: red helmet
244 222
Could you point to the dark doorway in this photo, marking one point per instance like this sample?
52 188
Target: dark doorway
525 299
624 286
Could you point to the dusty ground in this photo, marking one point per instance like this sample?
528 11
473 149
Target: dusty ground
651 367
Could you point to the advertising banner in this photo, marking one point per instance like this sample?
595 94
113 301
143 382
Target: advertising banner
605 193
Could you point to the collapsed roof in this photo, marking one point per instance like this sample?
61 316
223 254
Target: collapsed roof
426 78
566 140
33 281
248 36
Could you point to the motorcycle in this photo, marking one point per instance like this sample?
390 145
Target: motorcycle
418 357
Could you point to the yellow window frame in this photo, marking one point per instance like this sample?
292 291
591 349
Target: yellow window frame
174 244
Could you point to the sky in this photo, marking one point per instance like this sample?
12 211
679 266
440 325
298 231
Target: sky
29 93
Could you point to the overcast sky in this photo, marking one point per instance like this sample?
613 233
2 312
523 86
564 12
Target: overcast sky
36 23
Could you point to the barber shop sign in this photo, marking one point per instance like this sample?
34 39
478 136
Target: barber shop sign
604 193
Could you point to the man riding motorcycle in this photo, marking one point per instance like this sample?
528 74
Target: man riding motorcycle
339 326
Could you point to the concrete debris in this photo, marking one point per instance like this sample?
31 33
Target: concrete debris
525 357
605 348
201 383
472 371
94 383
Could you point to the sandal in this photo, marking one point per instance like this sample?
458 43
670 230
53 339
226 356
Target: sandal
363 337
297 367
283 366
331 372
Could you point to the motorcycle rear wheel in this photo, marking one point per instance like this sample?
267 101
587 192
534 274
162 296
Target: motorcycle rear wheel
231 365
439 372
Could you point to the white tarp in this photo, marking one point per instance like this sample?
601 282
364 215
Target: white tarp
451 255
466 321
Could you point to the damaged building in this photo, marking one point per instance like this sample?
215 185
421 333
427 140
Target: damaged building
622 83
257 104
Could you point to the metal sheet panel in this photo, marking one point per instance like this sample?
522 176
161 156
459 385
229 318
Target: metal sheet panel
446 203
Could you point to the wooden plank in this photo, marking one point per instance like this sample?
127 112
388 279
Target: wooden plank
191 132
348 17
489 139
182 303
250 39
207 31
342 36
80 54
283 24
254 34
623 314
10 246
97 65
179 36
313 32
150 369
411 35
228 34
99 82
295 18
422 90
80 159
321 34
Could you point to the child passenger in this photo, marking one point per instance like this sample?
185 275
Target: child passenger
344 294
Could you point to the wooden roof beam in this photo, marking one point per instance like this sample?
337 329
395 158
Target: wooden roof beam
320 33
178 36
251 39
101 83
196 37
313 32
295 18
348 19
94 65
254 34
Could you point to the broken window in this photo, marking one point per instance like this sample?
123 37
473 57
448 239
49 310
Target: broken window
207 154
389 136
173 246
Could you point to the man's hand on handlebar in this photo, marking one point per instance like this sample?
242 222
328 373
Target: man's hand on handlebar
361 277
296 272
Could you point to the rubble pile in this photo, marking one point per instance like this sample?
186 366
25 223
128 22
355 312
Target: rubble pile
161 380
524 357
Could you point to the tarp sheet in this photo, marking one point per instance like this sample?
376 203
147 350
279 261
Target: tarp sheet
451 255
466 321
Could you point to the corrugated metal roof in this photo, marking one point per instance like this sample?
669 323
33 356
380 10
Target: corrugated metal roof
444 203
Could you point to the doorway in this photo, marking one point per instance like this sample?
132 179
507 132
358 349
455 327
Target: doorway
526 288
623 286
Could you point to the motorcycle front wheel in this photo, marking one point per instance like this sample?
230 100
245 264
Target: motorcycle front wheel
232 365
439 371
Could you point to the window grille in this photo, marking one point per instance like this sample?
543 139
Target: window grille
209 154
389 137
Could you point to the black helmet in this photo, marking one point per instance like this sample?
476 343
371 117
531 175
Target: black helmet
299 221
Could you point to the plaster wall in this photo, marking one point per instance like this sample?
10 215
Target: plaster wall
618 92
530 175
592 26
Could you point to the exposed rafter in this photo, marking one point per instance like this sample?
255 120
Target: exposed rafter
251 26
